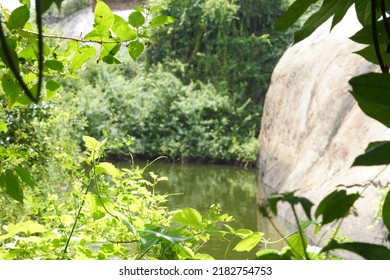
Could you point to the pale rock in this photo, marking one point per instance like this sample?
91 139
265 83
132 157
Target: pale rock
312 129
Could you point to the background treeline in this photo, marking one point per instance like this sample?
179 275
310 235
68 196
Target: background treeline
198 92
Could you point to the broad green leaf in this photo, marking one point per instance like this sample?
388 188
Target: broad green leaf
52 87
104 18
82 55
135 49
18 17
328 9
13 187
369 54
306 205
273 203
28 227
249 242
3 127
54 65
47 3
377 153
295 243
95 206
372 93
294 12
161 20
108 51
122 30
11 89
91 143
268 254
136 19
242 232
366 250
27 53
97 36
188 217
363 11
107 168
25 176
11 43
335 206
386 213
364 35
341 10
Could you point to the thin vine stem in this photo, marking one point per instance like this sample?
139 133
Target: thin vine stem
375 38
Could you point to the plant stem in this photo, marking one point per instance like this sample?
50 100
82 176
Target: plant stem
300 232
374 32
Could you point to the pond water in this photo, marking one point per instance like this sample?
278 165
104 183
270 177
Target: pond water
199 186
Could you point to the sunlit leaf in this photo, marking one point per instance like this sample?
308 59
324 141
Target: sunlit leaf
54 64
135 49
3 127
82 55
171 238
161 20
11 89
136 19
295 243
268 254
249 242
335 206
104 18
91 143
18 17
188 217
52 87
107 168
366 250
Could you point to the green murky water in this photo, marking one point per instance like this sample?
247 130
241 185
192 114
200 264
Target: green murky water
199 186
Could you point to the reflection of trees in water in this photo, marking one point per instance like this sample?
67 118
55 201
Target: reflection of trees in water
203 185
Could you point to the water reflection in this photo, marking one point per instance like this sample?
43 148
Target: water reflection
199 186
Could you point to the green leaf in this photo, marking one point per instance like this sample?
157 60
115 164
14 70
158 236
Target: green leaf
161 20
136 19
91 143
11 89
135 49
273 203
268 254
52 87
328 9
11 43
54 65
377 153
95 206
306 205
386 213
249 242
107 168
3 127
369 54
46 4
366 250
363 11
335 206
82 55
122 30
295 243
188 217
18 18
294 12
364 35
372 93
104 18
25 176
13 187
340 11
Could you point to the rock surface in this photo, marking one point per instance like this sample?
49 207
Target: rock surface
312 129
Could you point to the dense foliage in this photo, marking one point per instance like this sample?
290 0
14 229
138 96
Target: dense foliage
198 95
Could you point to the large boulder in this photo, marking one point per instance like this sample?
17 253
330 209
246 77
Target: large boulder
312 129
